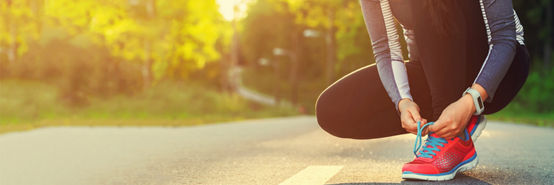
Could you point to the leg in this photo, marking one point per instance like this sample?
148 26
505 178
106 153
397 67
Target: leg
357 106
443 52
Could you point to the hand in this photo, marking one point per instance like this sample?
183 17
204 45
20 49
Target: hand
409 115
454 118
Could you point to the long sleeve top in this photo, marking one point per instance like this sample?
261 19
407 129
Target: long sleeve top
503 29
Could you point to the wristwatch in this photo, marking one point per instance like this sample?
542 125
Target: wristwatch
479 107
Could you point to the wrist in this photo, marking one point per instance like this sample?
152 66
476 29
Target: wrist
481 90
402 102
467 100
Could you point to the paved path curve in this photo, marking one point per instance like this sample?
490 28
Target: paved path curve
272 151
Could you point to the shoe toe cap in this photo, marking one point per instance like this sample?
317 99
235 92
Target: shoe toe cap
420 168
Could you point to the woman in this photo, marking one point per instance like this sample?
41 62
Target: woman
468 60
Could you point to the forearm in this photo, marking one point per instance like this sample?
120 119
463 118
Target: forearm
395 81
386 47
500 22
495 67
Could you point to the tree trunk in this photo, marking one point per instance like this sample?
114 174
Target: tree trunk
147 76
548 43
147 66
12 29
331 49
151 9
12 51
277 86
293 77
233 75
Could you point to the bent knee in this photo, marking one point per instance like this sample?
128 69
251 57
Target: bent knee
328 117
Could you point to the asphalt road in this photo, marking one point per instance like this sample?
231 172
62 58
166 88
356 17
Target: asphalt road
271 151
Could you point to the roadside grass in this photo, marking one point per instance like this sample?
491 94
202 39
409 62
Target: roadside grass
514 114
27 105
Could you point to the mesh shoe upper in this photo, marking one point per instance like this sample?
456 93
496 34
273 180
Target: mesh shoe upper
449 154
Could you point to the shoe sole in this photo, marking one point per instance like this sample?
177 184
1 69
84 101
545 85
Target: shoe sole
480 127
469 164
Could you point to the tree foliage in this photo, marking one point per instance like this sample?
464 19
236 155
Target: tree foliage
19 25
170 37
140 42
98 46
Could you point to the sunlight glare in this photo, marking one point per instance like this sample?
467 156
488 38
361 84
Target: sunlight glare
226 8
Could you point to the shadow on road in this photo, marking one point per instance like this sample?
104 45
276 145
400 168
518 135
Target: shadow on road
460 179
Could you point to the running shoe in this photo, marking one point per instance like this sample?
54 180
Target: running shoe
440 159
475 126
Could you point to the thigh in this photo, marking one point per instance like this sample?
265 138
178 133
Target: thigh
357 106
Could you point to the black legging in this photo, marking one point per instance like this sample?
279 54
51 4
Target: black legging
357 106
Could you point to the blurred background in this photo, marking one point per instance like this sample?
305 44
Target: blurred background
188 62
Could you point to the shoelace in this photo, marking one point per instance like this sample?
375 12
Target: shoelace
431 144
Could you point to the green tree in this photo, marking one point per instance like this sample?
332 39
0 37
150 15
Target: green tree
20 24
337 42
168 38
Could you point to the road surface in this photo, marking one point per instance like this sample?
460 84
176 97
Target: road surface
272 151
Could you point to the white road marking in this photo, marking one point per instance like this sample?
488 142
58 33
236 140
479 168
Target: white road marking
313 175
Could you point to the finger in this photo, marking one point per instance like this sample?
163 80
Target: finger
407 124
442 134
426 130
457 132
449 136
439 128
423 122
410 117
410 129
410 120
415 114
436 127
404 125
447 133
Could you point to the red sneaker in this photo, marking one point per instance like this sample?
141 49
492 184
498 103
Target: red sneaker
475 126
440 159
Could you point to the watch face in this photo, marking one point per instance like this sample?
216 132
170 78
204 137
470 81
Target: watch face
480 102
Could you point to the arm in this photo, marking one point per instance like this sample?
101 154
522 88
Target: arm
390 65
386 47
503 33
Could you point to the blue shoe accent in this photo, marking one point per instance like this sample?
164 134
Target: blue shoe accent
476 125
431 144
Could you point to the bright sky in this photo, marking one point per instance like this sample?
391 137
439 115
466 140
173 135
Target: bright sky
226 8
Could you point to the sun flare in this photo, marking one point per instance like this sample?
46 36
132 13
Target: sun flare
226 8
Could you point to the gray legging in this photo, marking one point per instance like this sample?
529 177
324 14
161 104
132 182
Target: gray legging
357 106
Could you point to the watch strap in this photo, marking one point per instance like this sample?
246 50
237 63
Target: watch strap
477 100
